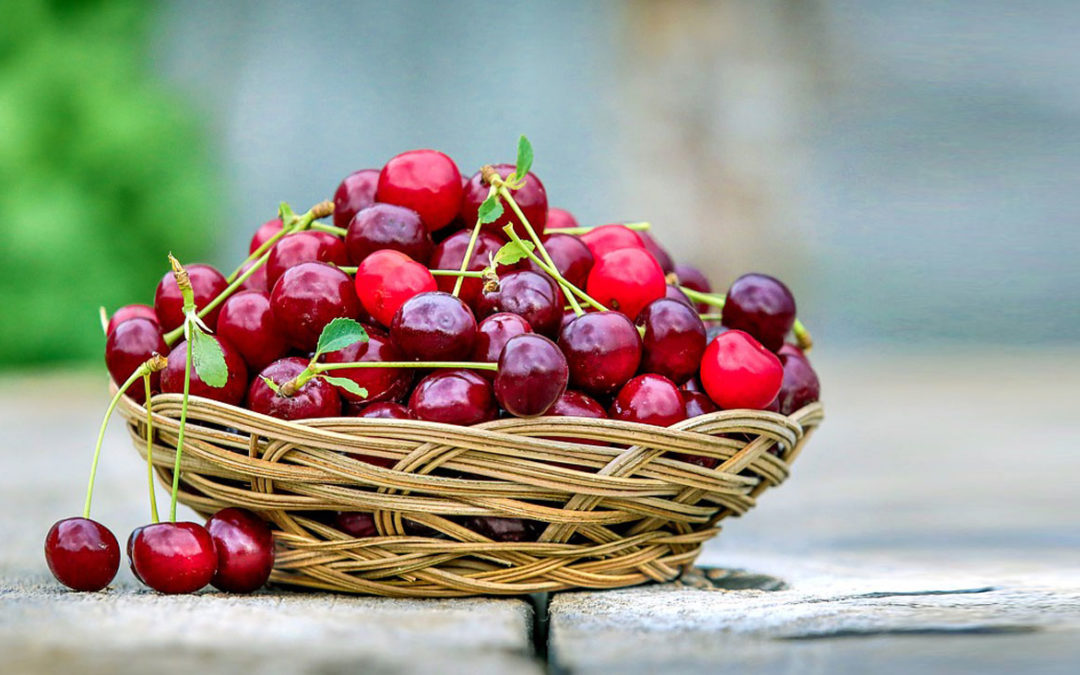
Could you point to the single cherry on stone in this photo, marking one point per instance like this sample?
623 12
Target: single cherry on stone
532 296
649 399
172 378
532 375
385 226
207 283
174 557
382 384
761 306
531 198
309 296
130 312
82 554
492 334
356 192
455 396
426 181
248 323
434 326
603 350
674 339
128 346
317 398
626 280
386 279
245 550
301 247
738 372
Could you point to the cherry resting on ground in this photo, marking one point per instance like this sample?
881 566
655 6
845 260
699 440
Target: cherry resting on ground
245 550
174 557
82 554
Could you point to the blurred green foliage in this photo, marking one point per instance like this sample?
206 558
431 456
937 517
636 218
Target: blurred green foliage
103 171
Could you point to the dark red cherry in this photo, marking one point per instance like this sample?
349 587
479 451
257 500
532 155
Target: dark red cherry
626 280
309 296
257 280
762 306
386 279
130 546
172 378
248 323
649 399
207 283
791 350
492 334
530 295
607 238
301 247
264 234
82 554
317 398
385 226
698 403
673 293
738 372
532 375
576 404
426 181
382 384
603 350
128 346
355 193
800 385
658 252
434 327
454 397
571 257
504 529
356 524
174 557
674 340
692 278
449 254
558 219
714 329
245 550
531 198
130 312
385 410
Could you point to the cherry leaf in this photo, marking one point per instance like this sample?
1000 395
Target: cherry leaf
513 252
490 210
208 359
524 158
339 334
348 385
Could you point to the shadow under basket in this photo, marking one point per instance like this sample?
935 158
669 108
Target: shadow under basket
609 503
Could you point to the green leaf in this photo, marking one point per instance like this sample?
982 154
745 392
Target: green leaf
339 334
270 383
490 210
524 158
208 359
513 252
348 385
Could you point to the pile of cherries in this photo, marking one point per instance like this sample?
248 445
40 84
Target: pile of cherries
477 315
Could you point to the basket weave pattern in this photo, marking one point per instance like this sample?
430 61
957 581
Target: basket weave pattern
613 515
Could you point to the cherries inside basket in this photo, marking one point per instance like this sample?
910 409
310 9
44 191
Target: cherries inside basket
421 295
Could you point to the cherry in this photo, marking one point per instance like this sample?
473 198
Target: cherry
504 529
692 278
607 238
657 251
673 293
454 397
130 312
571 256
603 350
649 399
128 346
800 385
532 375
300 247
356 524
317 398
434 326
174 557
492 334
762 306
82 554
172 378
575 404
355 193
738 372
697 403
245 550
382 384
449 254
626 280
247 322
791 350
265 233
674 340
385 226
426 181
386 279
530 295
558 219
257 280
385 410
531 198
713 330
207 283
309 296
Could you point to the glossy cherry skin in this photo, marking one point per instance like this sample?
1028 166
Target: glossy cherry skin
382 384
385 410
247 322
762 306
256 281
492 334
571 256
82 554
264 234
451 251
674 340
658 252
426 181
385 226
558 219
245 550
309 296
626 280
800 385
738 372
356 524
713 330
386 279
128 346
603 351
693 384
530 295
692 278
649 399
532 375
576 404
207 283
434 327
172 378
355 193
174 557
531 198
697 403
607 238
317 398
301 247
454 397
673 293
130 312
504 529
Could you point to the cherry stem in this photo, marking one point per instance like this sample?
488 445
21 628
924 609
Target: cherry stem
714 299
315 369
711 317
469 248
104 316
554 274
802 336
478 274
637 227
175 334
183 426
322 227
150 450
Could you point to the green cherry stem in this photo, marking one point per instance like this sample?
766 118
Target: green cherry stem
469 248
637 227
802 335
173 335
104 316
315 369
180 434
711 317
554 274
150 450
478 274
322 227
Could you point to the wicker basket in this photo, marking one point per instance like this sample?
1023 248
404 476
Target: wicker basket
611 515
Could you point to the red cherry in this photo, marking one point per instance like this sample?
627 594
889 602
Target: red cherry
504 529
207 283
317 398
356 524
571 257
257 280
603 350
673 293
692 278
434 326
245 550
737 372
626 280
532 375
82 554
607 238
385 226
576 404
649 399
309 296
657 251
492 335
382 384
800 385
386 279
301 247
530 295
451 251
265 233
128 346
454 397
762 306
247 322
172 378
130 312
531 198
698 403
426 181
174 557
385 410
674 339
355 193
558 219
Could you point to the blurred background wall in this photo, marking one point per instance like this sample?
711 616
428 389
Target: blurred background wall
908 168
